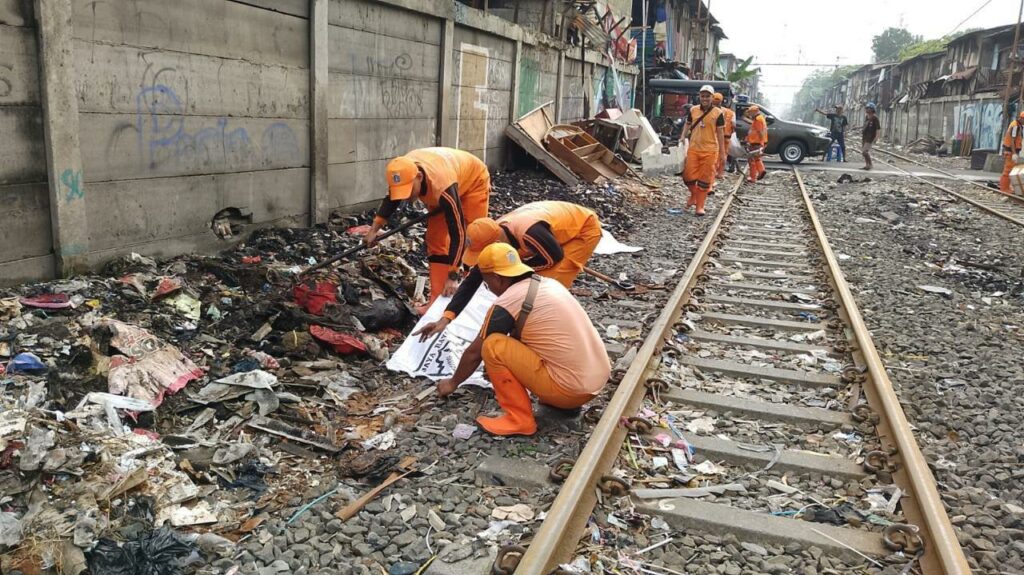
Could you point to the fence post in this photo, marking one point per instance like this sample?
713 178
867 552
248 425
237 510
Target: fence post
68 215
444 136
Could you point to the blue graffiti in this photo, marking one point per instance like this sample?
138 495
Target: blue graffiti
72 179
164 136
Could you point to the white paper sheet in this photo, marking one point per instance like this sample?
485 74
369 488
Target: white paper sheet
438 357
609 245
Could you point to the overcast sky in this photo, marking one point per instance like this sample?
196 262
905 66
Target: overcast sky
816 32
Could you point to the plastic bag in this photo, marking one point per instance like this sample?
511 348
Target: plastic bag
736 149
160 552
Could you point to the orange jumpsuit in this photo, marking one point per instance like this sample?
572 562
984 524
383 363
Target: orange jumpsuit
1011 146
757 137
576 229
458 182
730 127
702 156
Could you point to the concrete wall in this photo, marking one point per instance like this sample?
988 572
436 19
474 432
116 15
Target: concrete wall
25 240
186 108
948 118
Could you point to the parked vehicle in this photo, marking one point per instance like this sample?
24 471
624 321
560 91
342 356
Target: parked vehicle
792 141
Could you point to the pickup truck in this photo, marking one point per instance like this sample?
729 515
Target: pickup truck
792 141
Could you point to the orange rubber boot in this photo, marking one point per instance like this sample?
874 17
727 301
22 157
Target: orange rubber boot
513 399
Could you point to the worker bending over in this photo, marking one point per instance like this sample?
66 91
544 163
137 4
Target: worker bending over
556 239
1011 151
757 139
705 127
456 187
537 338
730 126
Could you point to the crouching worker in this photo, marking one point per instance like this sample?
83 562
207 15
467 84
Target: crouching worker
556 239
537 339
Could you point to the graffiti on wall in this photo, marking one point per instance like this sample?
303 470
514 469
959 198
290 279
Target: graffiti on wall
167 136
472 103
983 120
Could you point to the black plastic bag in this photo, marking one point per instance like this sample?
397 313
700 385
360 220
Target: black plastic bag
160 552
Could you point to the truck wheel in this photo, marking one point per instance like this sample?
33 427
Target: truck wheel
792 152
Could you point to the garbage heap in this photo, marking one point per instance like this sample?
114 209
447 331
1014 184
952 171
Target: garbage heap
156 413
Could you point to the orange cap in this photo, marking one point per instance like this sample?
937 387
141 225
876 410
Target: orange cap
717 98
480 233
401 172
502 259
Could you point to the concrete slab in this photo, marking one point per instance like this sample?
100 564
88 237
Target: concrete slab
764 252
762 275
764 263
759 409
717 449
773 344
756 527
762 287
755 321
764 303
656 163
520 473
747 371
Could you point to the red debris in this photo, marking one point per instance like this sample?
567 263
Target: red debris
341 343
252 259
358 230
313 297
166 287
47 301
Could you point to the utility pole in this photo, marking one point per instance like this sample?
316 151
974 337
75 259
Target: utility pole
1013 66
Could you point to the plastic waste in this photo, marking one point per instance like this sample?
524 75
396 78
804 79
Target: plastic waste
159 552
340 342
26 363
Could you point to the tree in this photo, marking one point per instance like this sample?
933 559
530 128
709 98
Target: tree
743 71
813 90
888 45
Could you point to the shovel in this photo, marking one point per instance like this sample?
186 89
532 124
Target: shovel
351 251
621 284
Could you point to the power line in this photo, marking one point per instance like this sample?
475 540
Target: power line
962 22
832 65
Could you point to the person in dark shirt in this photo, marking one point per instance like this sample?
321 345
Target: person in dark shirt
837 128
872 130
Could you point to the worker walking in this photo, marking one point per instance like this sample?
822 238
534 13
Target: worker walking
729 128
537 339
757 139
1011 151
556 239
456 187
705 128
872 130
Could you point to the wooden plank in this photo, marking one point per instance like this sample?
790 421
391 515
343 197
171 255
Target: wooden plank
746 371
552 163
773 344
585 171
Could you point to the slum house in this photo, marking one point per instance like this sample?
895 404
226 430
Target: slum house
869 83
682 31
729 64
954 96
150 131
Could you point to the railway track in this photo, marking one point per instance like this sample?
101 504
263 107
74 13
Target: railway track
993 201
727 421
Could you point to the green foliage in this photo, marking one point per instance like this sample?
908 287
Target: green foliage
814 88
933 45
888 45
743 71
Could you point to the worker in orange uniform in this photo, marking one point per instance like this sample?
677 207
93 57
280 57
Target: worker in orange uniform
730 126
757 139
453 184
537 339
705 128
1011 150
556 239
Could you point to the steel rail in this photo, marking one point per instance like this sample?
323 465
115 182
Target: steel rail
974 203
556 540
951 174
939 536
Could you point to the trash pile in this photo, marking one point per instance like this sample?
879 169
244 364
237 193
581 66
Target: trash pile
154 414
162 398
